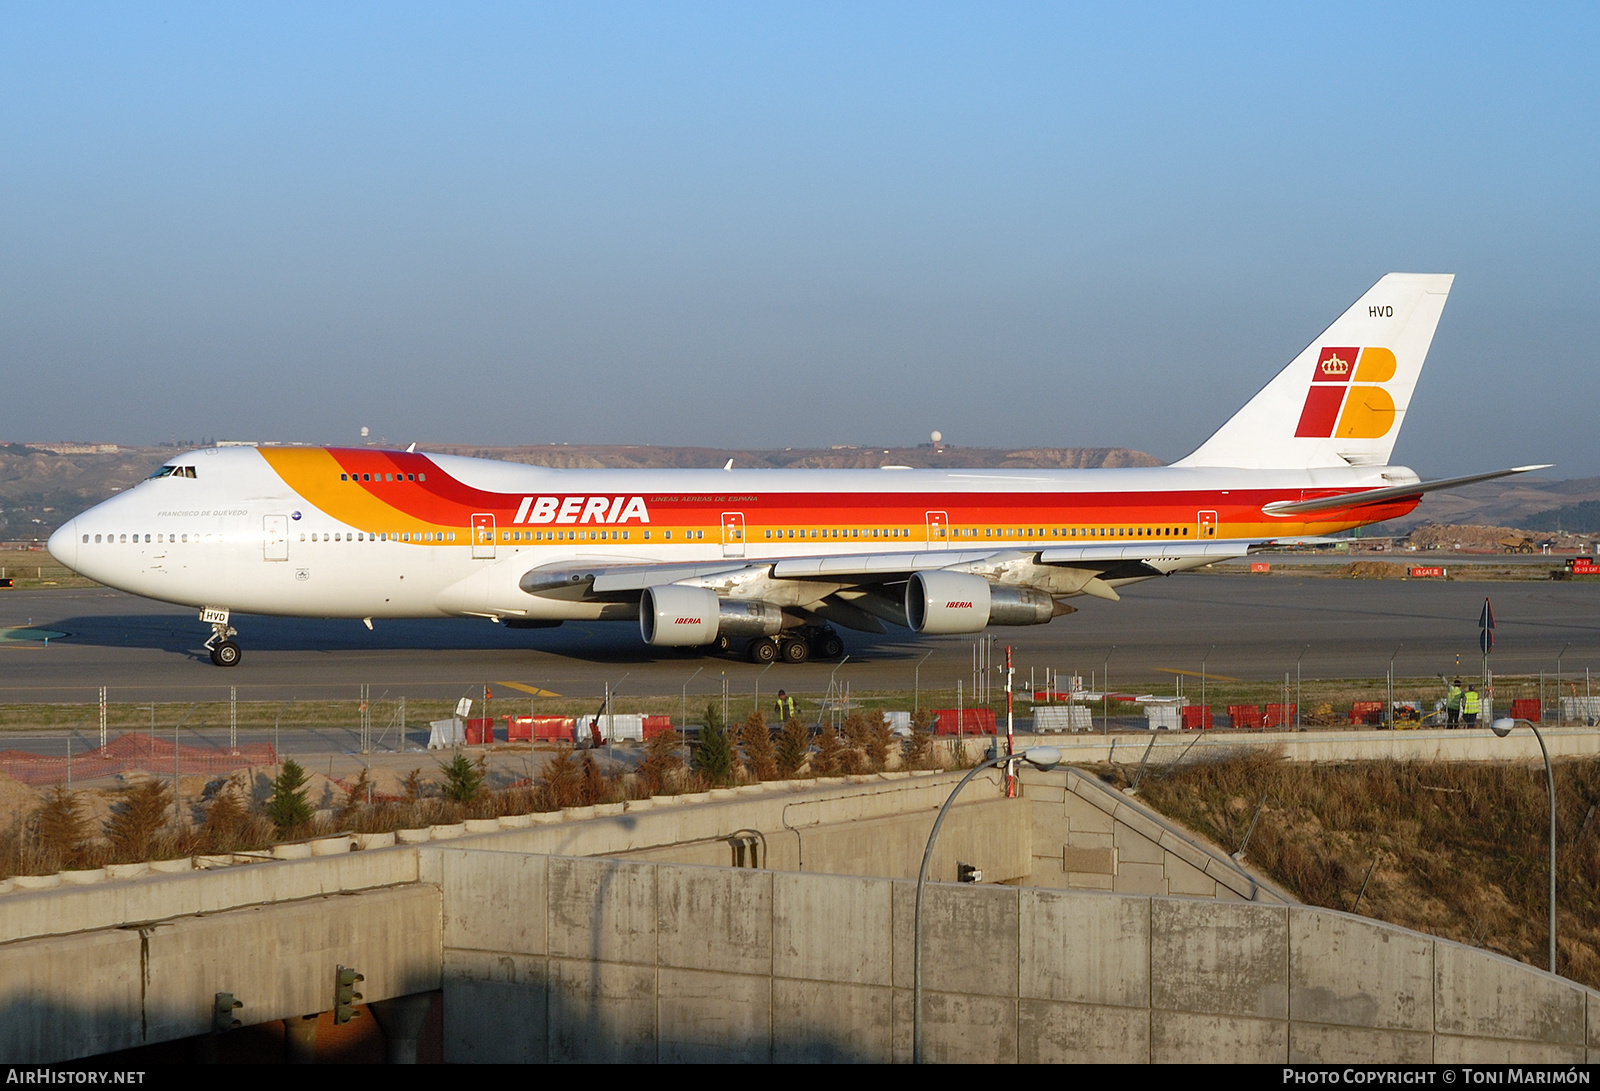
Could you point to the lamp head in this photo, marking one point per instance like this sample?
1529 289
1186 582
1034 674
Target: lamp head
1502 727
1041 757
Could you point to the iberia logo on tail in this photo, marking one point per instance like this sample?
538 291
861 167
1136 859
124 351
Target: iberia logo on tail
1344 401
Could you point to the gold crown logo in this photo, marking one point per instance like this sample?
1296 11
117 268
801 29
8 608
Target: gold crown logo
1335 366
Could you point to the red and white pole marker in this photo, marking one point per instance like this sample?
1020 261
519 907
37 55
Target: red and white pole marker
1011 736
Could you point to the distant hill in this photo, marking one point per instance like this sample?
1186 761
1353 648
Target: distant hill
1581 518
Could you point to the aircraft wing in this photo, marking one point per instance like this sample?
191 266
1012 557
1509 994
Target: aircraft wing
857 590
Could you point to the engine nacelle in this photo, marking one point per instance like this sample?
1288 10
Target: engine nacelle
687 617
956 602
1021 606
947 602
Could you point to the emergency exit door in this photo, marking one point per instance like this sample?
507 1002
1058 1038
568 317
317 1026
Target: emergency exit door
938 530
1208 524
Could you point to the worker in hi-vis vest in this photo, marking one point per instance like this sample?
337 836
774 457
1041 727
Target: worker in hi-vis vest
785 707
1469 706
1452 704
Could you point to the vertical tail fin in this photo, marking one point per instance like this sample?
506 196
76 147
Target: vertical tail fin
1342 400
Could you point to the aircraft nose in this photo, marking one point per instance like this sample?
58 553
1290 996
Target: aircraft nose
63 544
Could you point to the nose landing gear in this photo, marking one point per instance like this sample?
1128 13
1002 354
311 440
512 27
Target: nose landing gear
224 652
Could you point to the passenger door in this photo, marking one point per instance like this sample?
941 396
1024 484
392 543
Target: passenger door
483 537
275 537
733 534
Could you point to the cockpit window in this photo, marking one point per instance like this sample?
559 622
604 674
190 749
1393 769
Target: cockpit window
173 471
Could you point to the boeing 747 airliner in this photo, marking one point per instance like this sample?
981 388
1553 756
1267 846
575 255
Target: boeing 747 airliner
773 558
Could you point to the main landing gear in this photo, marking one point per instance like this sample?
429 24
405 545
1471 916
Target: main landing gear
224 652
795 646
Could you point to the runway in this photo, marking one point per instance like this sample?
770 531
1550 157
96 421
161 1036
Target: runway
1259 626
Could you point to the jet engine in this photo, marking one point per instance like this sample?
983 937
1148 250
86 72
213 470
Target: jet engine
674 616
956 602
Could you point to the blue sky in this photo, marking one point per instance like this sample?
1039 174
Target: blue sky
734 225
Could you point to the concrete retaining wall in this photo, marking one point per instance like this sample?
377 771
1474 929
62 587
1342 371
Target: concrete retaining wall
1478 744
614 960
1087 835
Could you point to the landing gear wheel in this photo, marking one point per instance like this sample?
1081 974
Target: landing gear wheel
827 646
226 654
721 645
795 652
762 650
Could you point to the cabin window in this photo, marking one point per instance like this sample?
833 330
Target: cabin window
422 477
344 477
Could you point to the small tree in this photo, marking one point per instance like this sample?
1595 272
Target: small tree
756 739
829 752
355 797
920 752
288 808
559 781
595 789
228 825
713 756
59 830
463 779
661 760
136 820
794 746
881 744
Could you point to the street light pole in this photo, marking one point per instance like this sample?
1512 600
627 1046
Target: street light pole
1105 693
1297 696
1560 719
1040 757
916 685
1502 728
1390 714
1203 705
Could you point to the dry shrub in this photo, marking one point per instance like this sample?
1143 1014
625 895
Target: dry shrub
760 755
560 782
661 770
830 752
138 817
794 746
60 834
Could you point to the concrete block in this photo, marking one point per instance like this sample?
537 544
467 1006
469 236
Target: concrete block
1080 840
1185 1038
495 1008
1592 999
833 928
969 938
1450 1049
1087 949
1084 880
1487 996
714 919
603 909
1049 822
1219 959
958 1028
1141 879
1098 861
1052 1033
495 901
1084 817
1354 972
1185 878
1134 847
70 996
828 1022
713 1017
280 960
1045 793
602 1012
1318 1043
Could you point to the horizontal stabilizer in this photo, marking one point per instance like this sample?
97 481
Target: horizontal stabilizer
1378 496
